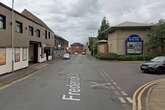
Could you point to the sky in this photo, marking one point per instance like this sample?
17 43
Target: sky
76 20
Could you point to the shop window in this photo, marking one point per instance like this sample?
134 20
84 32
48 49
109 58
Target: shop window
2 56
38 33
19 27
24 54
17 54
31 31
2 22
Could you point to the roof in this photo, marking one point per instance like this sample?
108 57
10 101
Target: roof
102 41
130 25
76 43
59 37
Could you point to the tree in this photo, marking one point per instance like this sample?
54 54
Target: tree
103 31
157 36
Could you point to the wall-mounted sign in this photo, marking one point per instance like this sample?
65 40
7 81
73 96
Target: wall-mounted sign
134 45
2 56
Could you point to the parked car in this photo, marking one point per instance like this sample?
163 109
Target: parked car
66 56
156 65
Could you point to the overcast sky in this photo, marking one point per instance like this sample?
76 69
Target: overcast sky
76 20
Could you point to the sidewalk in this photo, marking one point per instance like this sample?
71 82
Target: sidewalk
10 77
154 98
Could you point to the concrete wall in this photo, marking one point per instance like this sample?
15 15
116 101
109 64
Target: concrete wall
116 40
102 48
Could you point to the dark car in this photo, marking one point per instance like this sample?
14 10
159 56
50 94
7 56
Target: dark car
156 65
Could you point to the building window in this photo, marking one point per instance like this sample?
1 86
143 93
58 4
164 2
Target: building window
2 22
31 31
24 54
19 27
46 35
49 35
2 56
17 54
38 33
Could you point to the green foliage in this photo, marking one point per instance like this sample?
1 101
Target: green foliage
156 37
112 56
103 31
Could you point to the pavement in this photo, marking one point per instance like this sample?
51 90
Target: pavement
153 98
8 78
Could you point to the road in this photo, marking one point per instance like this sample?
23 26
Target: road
82 83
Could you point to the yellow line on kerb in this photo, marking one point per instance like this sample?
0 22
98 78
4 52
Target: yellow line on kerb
14 82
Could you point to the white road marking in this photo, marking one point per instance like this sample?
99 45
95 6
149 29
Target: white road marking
118 88
117 93
122 100
112 87
123 93
129 100
73 88
70 98
114 83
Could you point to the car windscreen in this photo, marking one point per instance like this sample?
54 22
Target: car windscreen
158 59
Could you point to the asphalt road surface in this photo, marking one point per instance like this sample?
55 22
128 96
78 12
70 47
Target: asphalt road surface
82 83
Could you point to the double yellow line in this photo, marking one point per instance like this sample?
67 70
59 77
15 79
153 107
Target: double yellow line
137 97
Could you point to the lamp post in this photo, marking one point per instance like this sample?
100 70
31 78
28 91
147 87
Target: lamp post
12 34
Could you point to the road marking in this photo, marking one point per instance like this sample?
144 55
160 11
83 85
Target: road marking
114 83
129 100
112 87
70 98
117 93
122 100
118 88
123 93
73 88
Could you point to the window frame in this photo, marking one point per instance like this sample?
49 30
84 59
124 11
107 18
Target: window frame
20 25
49 35
31 32
3 20
46 34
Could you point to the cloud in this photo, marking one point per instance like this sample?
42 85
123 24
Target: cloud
76 20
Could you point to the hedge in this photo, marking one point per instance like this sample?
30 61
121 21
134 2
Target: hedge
113 56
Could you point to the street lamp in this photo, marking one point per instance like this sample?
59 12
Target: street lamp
12 34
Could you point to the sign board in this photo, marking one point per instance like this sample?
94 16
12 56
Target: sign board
134 45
